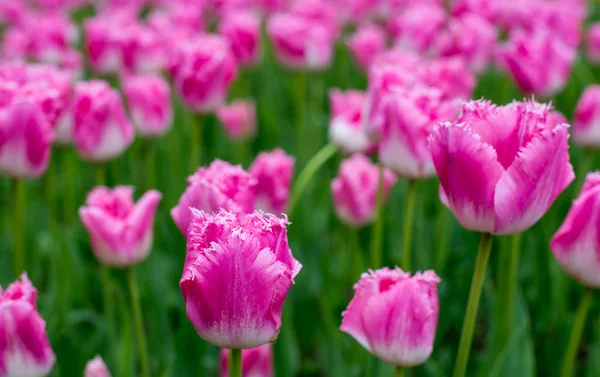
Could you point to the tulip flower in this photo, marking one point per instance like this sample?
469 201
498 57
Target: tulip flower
237 273
121 231
321 12
273 172
242 29
368 41
355 190
149 102
204 69
101 130
256 362
345 125
218 186
238 119
96 368
586 120
394 315
24 349
593 43
538 61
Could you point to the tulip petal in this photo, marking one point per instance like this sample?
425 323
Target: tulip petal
527 189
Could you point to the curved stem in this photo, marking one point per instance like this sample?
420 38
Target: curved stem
511 273
578 326
377 231
466 338
307 173
235 363
138 323
409 211
399 371
18 217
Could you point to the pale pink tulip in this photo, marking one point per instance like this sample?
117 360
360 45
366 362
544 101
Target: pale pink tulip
149 102
238 119
96 368
273 172
256 362
368 41
593 42
394 316
586 120
346 128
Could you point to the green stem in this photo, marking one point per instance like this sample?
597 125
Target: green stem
466 338
196 140
235 363
582 168
443 247
109 309
409 211
18 218
68 162
139 322
299 88
377 231
399 371
149 161
358 263
511 273
308 172
568 368
100 175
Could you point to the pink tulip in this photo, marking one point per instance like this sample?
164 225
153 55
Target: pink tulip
576 244
25 140
238 119
271 6
355 190
51 87
203 72
417 28
538 61
593 42
219 186
120 230
24 346
394 316
238 271
300 43
149 102
355 11
586 120
273 172
242 29
101 130
96 368
345 124
501 167
368 41
12 11
256 362
319 12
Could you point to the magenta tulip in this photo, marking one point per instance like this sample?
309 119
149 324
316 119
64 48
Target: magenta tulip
24 346
368 41
101 130
273 172
120 230
242 29
417 27
238 271
501 167
96 368
346 128
586 120
149 102
576 244
593 42
355 190
394 316
256 362
218 186
238 119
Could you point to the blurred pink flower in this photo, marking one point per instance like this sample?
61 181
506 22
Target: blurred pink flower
24 349
586 119
242 29
101 130
149 102
319 12
368 41
593 42
256 362
501 167
273 172
204 70
218 186
345 124
355 190
394 316
120 230
417 27
96 368
245 256
238 119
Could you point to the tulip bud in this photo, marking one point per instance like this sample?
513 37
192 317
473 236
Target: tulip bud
24 349
346 128
149 102
256 362
96 368
237 274
355 190
101 130
238 119
273 172
120 230
586 120
242 29
394 316
576 245
366 43
218 186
